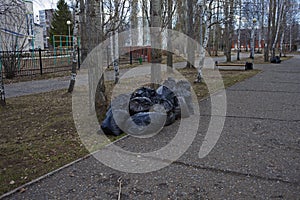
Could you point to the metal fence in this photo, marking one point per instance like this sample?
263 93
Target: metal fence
29 63
39 62
127 55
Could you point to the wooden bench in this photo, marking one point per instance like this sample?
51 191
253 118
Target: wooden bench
233 66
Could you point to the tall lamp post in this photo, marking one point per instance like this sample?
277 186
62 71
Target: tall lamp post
252 38
69 26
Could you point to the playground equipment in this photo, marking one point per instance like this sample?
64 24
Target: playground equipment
63 46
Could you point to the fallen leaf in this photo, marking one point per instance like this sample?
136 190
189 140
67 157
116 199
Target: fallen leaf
22 190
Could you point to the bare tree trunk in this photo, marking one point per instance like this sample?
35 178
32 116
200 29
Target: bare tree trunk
273 26
239 31
181 12
134 20
228 29
190 33
283 28
268 42
115 40
145 24
76 12
156 54
170 54
281 44
261 35
201 27
290 38
218 32
204 41
280 10
83 30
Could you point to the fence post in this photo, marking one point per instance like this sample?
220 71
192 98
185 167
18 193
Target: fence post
130 53
2 92
41 63
78 53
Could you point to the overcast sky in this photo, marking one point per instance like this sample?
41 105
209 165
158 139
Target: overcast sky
43 4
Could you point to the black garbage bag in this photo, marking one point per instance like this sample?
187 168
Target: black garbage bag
187 95
275 59
248 66
170 83
167 98
141 119
168 105
121 102
165 93
182 110
144 92
171 118
109 125
140 104
145 123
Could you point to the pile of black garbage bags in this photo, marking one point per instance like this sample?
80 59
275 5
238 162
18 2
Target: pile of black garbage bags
147 110
275 59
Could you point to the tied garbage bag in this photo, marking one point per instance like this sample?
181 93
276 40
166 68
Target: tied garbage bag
146 111
120 102
145 124
182 110
275 59
171 117
187 95
170 83
141 119
109 125
165 93
139 104
248 66
168 105
169 101
183 89
144 92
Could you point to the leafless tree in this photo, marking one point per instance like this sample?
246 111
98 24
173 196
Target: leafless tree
13 37
75 45
156 38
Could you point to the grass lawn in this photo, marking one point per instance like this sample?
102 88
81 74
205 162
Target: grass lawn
38 134
258 59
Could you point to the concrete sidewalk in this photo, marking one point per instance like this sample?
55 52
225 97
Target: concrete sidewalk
256 157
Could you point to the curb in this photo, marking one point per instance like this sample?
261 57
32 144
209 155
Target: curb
55 171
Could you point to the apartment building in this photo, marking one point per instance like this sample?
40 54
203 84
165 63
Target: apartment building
45 18
18 32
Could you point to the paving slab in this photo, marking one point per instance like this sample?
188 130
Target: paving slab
90 179
256 157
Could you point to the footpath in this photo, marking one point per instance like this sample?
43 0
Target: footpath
40 86
256 157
